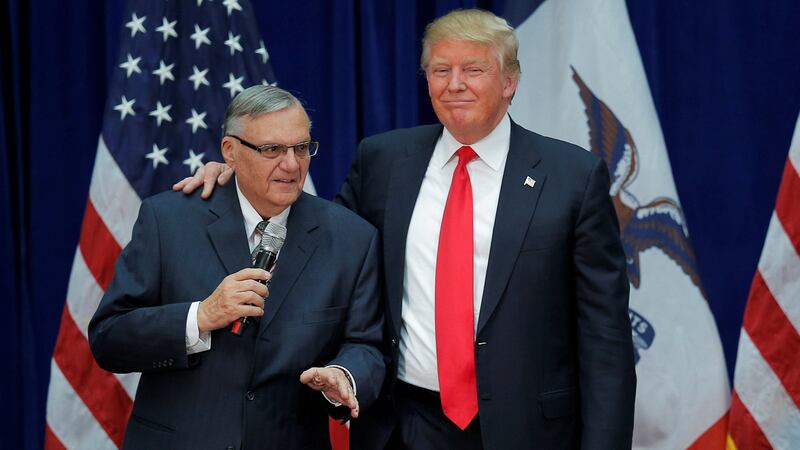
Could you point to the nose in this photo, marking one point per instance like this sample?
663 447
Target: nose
289 161
456 82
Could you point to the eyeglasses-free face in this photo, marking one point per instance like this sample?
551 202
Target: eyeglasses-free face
303 149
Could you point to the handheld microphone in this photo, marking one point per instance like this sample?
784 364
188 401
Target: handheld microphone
272 238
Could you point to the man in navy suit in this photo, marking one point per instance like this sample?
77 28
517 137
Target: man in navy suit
546 358
185 277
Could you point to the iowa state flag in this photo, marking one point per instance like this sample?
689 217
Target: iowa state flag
583 82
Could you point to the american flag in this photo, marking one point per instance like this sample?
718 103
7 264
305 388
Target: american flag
179 65
765 409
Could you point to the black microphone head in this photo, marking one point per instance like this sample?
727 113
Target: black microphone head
272 237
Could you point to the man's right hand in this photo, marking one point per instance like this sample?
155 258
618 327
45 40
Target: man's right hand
239 295
207 176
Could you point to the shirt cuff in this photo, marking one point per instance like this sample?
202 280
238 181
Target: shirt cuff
196 341
349 377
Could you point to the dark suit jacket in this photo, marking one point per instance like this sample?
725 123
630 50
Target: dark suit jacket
554 356
323 308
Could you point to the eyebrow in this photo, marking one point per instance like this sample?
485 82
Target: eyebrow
466 62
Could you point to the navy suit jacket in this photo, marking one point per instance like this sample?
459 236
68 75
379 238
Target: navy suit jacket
553 354
323 308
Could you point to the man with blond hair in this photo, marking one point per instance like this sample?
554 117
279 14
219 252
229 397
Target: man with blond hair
506 292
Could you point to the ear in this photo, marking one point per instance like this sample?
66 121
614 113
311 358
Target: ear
226 148
510 85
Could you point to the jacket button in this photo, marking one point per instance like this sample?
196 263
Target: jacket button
230 447
250 395
394 342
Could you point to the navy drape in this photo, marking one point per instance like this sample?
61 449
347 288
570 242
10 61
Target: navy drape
724 79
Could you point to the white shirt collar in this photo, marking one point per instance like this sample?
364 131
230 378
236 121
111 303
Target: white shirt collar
492 149
252 217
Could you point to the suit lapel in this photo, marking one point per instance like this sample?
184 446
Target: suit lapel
302 238
403 189
515 209
227 233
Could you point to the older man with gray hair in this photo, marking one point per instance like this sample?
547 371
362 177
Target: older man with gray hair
506 285
186 277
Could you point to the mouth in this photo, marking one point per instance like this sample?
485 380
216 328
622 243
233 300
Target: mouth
457 102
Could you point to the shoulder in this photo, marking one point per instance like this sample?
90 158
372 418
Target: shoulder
187 211
403 136
380 151
407 133
337 218
176 202
554 153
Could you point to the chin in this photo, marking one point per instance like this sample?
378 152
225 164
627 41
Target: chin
461 120
286 199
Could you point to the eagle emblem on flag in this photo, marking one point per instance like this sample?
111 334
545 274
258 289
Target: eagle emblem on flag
659 223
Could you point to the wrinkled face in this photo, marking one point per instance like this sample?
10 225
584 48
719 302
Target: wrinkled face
270 185
468 92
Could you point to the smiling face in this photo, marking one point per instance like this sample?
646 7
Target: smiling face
468 91
270 185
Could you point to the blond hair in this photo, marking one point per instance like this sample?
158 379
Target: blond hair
474 25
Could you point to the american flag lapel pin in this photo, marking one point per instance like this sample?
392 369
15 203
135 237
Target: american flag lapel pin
529 182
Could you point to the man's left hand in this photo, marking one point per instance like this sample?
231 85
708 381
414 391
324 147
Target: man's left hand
334 384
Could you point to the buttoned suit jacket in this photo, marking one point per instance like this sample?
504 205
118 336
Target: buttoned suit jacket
323 308
553 353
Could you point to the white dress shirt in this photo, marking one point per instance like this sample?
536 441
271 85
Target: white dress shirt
417 362
197 342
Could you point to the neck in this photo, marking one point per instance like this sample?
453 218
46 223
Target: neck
268 212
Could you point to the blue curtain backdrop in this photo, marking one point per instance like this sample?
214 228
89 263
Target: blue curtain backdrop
724 77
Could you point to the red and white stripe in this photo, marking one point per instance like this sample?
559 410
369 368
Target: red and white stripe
88 407
765 410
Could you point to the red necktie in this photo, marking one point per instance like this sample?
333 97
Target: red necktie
455 348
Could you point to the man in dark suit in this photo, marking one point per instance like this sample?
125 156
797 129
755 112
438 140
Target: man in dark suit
505 280
186 276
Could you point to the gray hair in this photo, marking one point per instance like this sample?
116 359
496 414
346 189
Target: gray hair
255 101
474 25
